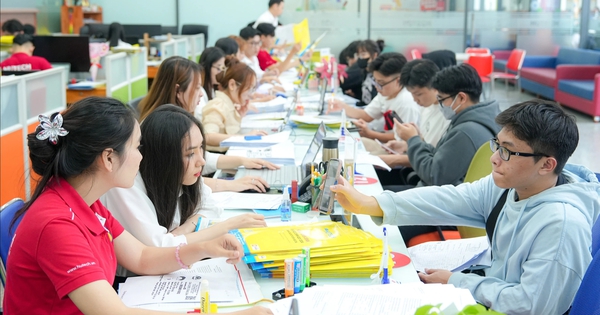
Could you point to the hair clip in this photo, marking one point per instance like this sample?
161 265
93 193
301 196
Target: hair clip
52 129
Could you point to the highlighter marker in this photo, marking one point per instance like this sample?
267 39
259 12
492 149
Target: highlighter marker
297 274
204 297
302 258
289 277
306 253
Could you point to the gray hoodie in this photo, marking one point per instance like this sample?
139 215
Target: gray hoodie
447 163
541 245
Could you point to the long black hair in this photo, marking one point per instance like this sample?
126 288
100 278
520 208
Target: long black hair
209 56
94 125
162 169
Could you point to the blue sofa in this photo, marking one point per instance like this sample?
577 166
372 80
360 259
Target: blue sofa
538 74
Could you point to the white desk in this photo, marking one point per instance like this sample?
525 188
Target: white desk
407 274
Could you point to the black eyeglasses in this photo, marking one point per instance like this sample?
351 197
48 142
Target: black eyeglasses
506 153
381 85
441 100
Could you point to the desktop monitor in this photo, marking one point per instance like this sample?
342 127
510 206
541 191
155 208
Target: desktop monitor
74 50
138 30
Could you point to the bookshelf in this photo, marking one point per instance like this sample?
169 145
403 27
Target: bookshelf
72 18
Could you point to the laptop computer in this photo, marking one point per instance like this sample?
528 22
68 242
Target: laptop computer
277 179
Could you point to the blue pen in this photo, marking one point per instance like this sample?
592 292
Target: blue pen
255 137
386 254
281 94
198 224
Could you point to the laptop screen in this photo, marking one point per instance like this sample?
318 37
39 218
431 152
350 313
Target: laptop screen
315 144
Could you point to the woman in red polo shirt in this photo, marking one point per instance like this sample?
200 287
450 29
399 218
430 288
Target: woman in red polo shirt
65 250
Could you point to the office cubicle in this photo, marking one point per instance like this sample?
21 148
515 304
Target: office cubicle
182 47
126 75
195 45
23 98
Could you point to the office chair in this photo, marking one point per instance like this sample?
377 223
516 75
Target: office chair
7 213
133 105
192 29
514 63
480 167
170 30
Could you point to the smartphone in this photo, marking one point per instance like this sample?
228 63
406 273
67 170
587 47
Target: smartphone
386 148
334 168
395 115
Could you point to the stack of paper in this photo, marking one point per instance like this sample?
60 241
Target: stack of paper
453 255
229 285
389 299
273 106
264 141
282 153
337 250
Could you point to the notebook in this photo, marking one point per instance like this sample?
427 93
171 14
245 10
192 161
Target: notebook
277 179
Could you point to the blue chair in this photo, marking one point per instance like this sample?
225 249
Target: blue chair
7 213
586 300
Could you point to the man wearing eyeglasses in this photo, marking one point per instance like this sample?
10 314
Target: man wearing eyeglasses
471 125
253 43
540 234
392 96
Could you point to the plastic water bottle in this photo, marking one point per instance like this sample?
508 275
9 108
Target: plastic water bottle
286 205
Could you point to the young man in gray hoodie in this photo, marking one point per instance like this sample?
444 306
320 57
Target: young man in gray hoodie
542 238
471 125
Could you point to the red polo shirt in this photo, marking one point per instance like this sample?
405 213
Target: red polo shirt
24 62
60 245
265 60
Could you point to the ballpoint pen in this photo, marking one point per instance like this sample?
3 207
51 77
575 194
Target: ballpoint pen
385 258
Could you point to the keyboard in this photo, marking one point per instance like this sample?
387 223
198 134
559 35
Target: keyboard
277 178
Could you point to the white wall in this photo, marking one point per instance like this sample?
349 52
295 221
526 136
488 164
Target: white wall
138 12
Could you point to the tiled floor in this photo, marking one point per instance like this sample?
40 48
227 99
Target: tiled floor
588 150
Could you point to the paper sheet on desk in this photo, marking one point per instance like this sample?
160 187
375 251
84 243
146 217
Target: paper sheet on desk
377 299
453 255
281 154
232 200
265 141
229 285
275 105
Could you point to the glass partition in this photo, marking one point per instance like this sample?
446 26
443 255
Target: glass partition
44 94
9 105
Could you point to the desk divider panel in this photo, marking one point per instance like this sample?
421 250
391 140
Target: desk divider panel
37 93
182 47
167 49
116 75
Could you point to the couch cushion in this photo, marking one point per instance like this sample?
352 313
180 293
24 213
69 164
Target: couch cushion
581 88
545 76
577 56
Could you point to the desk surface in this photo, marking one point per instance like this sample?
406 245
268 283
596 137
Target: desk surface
77 95
407 274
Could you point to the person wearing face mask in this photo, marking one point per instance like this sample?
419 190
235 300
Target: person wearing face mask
352 85
368 50
471 125
222 116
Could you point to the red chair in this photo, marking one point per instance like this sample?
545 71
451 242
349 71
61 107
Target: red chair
484 64
416 54
475 50
514 63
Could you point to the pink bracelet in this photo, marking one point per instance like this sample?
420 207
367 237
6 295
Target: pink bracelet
181 264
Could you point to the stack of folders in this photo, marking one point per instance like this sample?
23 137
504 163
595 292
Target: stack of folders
336 250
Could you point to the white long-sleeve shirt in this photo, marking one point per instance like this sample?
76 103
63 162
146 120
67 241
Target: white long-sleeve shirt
137 214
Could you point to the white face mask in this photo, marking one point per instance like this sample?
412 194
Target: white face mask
448 111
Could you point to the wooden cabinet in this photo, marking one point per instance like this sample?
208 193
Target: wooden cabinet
72 18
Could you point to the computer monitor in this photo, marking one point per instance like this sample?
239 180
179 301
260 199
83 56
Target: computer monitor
74 50
138 30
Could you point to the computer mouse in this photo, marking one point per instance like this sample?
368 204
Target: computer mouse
254 191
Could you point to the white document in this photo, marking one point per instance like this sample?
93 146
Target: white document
285 34
233 200
275 105
453 255
377 299
229 285
316 120
265 116
282 154
264 141
366 158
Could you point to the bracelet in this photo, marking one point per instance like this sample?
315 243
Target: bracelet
181 264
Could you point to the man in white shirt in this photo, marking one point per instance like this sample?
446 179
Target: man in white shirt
250 35
416 77
392 96
271 16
